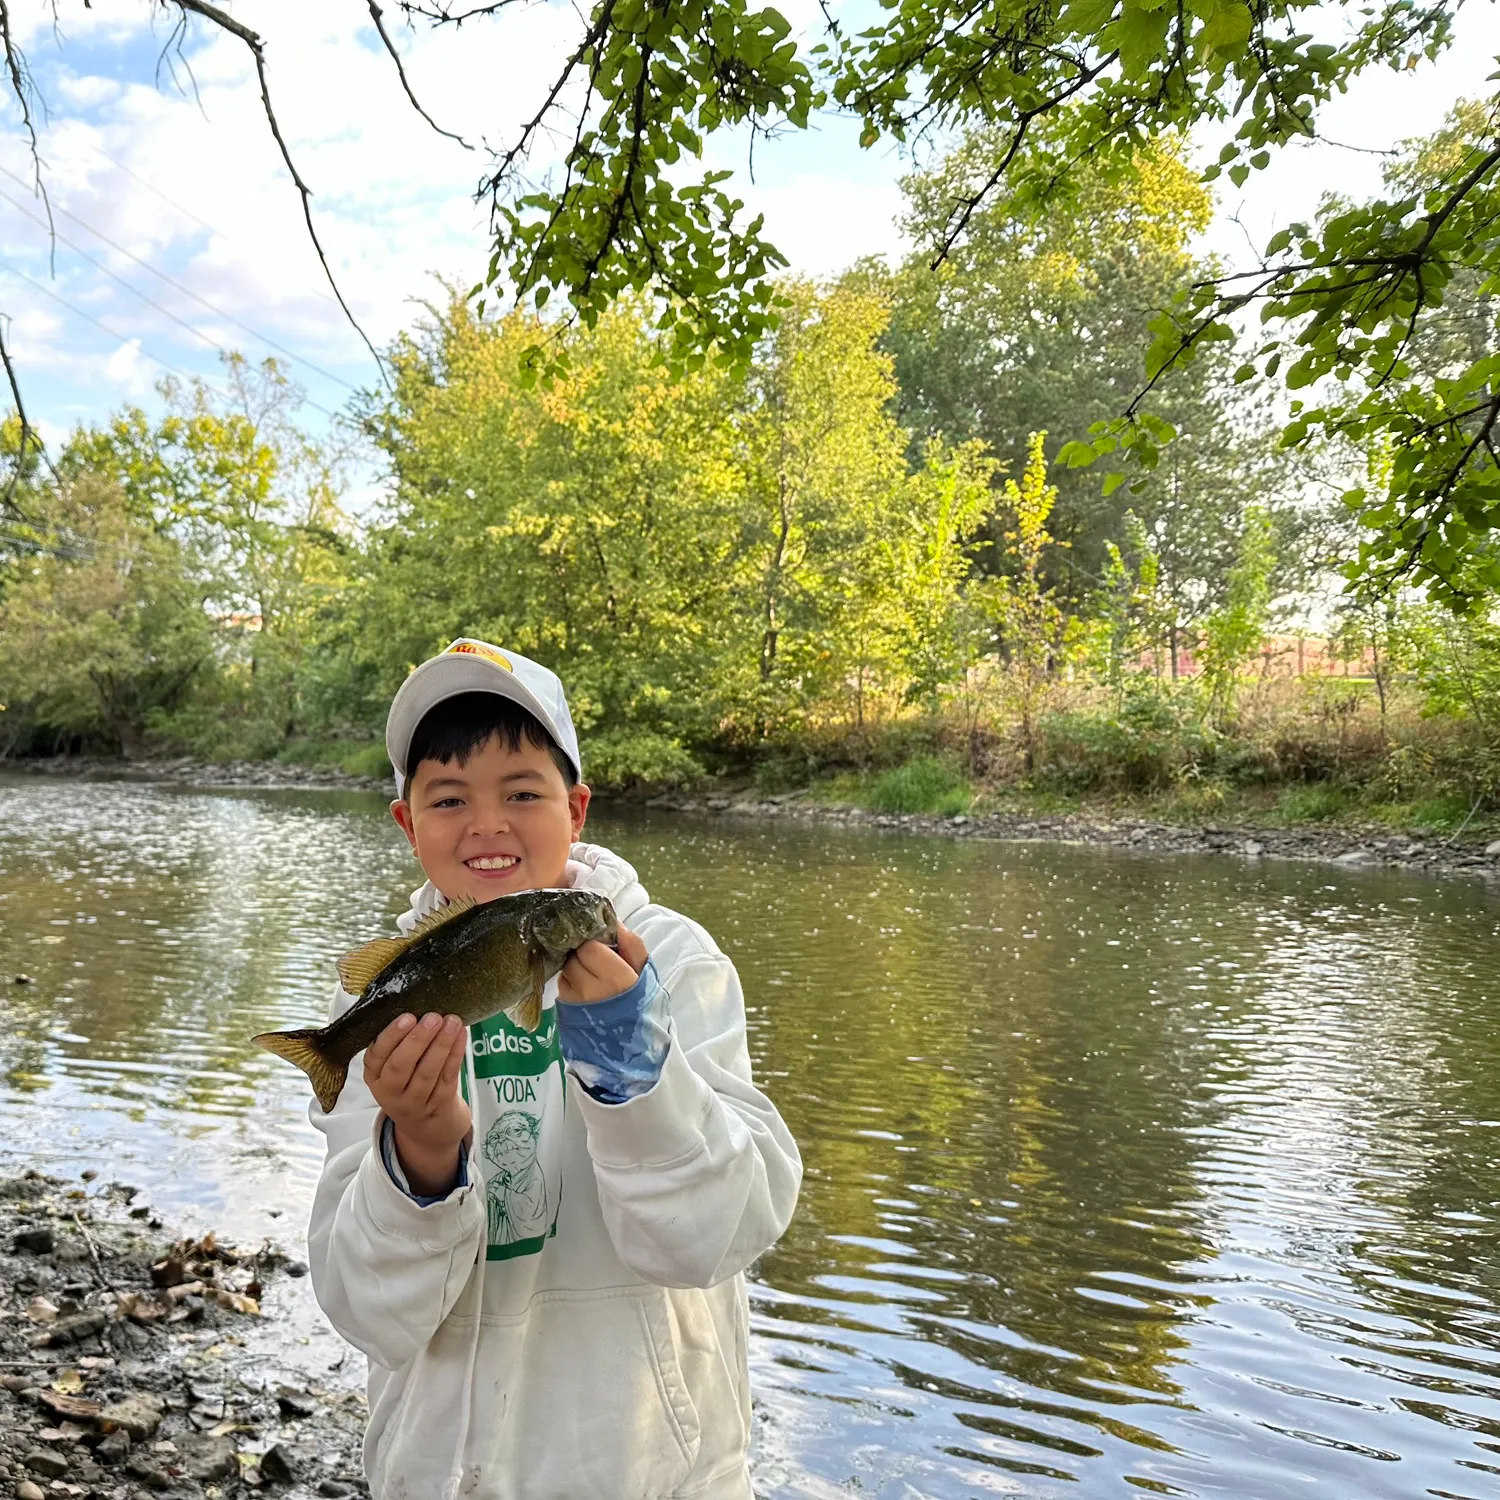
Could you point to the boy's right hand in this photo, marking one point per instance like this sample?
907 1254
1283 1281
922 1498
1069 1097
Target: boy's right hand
412 1069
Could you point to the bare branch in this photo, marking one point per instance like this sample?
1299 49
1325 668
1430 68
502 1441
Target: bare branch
20 82
251 39
390 46
29 435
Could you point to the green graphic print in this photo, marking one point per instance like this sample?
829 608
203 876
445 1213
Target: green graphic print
518 1119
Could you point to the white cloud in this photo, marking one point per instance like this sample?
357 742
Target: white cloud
126 367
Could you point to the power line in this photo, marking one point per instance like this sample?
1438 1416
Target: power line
187 291
166 312
120 338
151 187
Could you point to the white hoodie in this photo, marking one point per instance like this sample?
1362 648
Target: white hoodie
573 1322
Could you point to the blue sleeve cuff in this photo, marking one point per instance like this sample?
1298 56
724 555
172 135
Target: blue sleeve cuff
616 1048
394 1172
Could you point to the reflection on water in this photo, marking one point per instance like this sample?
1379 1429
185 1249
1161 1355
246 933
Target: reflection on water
1123 1175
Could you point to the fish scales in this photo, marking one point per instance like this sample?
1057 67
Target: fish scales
468 960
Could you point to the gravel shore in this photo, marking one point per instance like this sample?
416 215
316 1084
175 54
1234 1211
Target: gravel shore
135 1365
1340 844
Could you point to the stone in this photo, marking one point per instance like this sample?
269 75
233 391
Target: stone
1493 850
139 1416
1352 857
276 1465
295 1404
335 1488
115 1448
80 1326
27 1490
147 1472
296 1268
1253 848
207 1458
35 1241
47 1462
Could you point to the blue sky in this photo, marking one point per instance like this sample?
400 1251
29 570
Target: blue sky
192 189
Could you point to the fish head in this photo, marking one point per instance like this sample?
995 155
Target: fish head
573 919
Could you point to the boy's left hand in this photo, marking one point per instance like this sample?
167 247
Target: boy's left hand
598 972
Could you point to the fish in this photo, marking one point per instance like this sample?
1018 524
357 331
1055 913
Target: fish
466 959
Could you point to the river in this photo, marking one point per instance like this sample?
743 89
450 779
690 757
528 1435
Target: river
1124 1174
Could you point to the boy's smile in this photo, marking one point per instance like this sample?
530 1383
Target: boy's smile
501 821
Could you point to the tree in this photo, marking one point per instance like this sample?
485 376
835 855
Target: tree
103 628
1033 626
1233 633
649 79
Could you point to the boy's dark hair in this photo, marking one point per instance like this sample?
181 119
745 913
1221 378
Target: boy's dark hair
462 724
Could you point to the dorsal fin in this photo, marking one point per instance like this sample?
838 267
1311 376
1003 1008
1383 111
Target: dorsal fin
436 918
359 967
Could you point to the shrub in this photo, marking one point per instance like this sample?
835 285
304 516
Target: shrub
1144 746
1313 804
620 758
921 786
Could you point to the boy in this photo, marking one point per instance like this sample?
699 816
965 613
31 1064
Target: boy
539 1239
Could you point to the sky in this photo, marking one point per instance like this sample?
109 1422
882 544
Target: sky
179 233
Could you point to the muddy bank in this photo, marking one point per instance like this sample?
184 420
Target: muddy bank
1340 844
135 1365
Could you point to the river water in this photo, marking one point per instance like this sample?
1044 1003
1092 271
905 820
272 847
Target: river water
1124 1174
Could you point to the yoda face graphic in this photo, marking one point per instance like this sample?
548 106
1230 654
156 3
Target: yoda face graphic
516 1192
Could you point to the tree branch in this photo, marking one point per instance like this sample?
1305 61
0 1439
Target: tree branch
390 46
20 82
251 39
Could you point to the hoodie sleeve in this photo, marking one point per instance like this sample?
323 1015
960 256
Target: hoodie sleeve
386 1270
698 1176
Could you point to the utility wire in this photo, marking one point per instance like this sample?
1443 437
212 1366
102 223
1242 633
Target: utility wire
187 291
47 291
166 312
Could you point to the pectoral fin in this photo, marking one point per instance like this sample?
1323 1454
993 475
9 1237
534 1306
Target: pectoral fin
528 1012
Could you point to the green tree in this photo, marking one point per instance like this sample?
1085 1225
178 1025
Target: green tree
1234 632
1034 629
102 627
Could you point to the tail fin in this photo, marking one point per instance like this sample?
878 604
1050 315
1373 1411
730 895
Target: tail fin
301 1048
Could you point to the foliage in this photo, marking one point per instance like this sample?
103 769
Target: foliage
921 786
102 628
1233 633
1033 628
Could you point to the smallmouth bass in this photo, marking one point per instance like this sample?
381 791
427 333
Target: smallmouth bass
464 959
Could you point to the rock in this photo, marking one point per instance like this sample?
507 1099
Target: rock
276 1465
23 979
35 1241
1253 848
959 819
68 1408
138 1415
296 1268
26 1490
1493 850
82 1325
46 1462
115 1448
335 1488
207 1458
295 1404
1352 857
147 1472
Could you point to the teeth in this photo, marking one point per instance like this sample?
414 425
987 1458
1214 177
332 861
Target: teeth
493 862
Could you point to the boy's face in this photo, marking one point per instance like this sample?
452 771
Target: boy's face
502 822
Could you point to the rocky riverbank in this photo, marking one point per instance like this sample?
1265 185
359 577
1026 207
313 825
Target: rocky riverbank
1335 843
133 1365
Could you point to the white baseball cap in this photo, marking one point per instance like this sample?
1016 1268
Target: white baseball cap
469 666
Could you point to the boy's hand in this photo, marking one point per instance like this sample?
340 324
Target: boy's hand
412 1069
598 972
